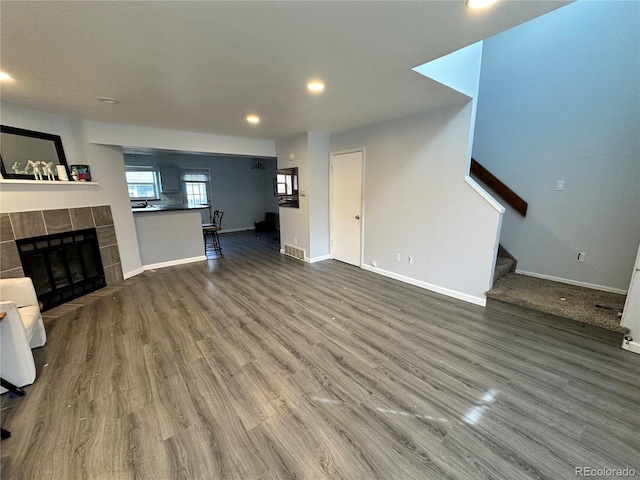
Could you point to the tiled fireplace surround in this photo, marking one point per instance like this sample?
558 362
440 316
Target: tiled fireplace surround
17 225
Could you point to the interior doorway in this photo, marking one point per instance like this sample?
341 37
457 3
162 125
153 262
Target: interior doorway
347 206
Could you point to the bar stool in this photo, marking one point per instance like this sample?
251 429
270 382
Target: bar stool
212 229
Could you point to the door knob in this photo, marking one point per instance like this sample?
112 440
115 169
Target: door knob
357 217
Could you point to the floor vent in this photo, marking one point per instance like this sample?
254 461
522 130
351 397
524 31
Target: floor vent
294 251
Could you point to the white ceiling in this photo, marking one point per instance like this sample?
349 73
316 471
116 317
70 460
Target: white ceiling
204 66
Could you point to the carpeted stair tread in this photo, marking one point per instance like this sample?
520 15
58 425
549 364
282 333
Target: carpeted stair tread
563 300
504 265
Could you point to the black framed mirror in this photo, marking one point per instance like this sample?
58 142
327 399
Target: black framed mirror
30 155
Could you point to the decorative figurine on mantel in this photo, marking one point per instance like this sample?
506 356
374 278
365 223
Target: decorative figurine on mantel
36 168
47 169
27 168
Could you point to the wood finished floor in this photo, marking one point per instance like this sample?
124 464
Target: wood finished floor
252 365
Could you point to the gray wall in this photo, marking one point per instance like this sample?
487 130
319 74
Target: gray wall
559 101
243 194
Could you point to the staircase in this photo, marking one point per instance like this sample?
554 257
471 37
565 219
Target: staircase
581 304
505 263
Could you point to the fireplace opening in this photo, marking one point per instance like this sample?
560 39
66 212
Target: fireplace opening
63 266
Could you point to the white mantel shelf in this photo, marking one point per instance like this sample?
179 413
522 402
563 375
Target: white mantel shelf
7 181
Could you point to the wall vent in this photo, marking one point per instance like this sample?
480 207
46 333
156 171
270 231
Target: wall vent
293 251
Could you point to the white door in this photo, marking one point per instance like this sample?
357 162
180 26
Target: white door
346 207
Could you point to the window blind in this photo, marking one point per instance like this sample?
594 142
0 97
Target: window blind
138 176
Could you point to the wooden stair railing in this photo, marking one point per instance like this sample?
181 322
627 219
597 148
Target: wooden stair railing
504 192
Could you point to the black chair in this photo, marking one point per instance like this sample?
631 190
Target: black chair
212 229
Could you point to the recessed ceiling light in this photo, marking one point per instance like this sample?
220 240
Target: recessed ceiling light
108 100
5 77
480 3
253 119
315 86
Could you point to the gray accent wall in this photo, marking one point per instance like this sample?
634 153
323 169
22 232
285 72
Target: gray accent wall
559 100
242 193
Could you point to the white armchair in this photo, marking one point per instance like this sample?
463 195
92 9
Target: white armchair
20 331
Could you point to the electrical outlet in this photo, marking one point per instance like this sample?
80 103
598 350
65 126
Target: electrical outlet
560 185
582 257
410 259
295 240
397 257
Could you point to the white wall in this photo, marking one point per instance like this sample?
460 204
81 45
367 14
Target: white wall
559 100
243 194
631 314
14 116
107 168
307 226
459 70
294 222
319 146
418 203
132 136
183 244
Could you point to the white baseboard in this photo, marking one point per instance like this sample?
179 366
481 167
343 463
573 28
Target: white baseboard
231 230
173 263
573 282
133 273
482 301
317 259
631 346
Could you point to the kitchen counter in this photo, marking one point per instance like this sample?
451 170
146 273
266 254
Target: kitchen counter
169 236
166 208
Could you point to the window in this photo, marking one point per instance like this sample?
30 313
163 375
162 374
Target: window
142 183
196 187
286 186
287 182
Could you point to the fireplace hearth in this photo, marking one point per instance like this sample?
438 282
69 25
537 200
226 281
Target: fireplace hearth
63 266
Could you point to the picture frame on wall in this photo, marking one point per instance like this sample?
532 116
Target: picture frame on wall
80 173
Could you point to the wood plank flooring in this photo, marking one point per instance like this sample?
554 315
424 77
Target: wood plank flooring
253 365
